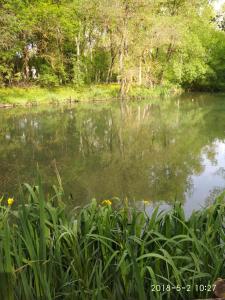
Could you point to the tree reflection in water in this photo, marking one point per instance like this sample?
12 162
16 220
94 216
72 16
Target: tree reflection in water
140 150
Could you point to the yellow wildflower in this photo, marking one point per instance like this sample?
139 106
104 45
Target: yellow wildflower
10 201
146 202
107 202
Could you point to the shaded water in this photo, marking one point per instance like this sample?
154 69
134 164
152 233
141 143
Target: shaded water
157 150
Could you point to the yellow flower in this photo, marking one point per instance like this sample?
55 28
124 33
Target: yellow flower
10 201
146 202
107 202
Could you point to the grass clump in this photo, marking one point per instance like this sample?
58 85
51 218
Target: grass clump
99 252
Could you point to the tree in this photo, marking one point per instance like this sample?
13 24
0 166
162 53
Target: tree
166 42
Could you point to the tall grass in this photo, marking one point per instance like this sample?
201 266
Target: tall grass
36 95
23 96
99 252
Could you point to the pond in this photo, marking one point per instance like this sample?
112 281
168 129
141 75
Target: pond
160 150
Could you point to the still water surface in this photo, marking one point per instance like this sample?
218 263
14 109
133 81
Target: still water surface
156 150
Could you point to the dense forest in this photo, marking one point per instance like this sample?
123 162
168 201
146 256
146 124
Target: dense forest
145 42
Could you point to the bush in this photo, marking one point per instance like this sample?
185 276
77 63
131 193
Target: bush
47 78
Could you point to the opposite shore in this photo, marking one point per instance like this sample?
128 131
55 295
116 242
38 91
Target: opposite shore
34 95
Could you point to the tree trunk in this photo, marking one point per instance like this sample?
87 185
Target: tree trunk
77 39
140 73
26 63
113 55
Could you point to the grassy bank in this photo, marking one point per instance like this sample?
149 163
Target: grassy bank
37 95
99 252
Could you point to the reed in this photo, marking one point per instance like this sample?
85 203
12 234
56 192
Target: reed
99 252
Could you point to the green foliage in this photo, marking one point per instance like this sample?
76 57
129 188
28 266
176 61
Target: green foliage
22 96
86 42
78 73
47 77
99 252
